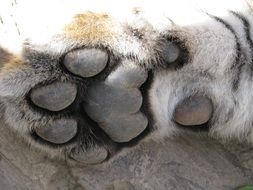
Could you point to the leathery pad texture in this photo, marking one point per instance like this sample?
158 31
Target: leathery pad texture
91 104
98 111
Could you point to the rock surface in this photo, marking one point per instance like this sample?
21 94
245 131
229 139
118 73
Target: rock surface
189 162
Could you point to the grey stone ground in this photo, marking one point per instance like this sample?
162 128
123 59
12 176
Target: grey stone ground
189 162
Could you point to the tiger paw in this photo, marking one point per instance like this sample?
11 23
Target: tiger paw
88 104
113 103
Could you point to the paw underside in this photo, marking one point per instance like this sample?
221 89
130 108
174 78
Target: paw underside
97 111
102 105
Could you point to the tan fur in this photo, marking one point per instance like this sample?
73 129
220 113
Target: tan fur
77 31
4 57
9 61
97 32
14 62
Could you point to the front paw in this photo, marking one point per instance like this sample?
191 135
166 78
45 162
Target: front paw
86 104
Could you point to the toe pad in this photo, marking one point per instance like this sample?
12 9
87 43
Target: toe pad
192 111
87 62
59 132
54 97
94 155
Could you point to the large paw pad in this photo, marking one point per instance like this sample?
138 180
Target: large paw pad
117 110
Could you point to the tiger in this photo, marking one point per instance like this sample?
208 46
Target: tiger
84 80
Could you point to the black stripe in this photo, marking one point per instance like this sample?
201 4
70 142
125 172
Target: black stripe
237 63
246 27
247 33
